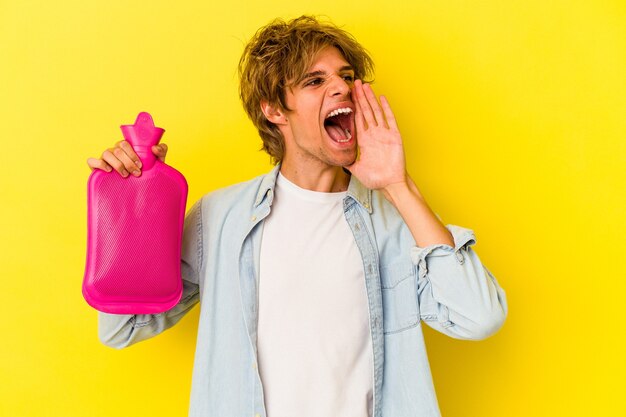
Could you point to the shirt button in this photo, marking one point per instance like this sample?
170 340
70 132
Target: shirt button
253 218
459 257
257 415
253 365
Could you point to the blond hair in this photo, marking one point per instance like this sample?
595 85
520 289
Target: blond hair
277 56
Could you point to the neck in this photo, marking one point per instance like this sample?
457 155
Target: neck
329 179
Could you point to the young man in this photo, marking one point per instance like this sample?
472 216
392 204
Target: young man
314 279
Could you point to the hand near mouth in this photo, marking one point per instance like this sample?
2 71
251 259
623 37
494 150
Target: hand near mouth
381 160
381 166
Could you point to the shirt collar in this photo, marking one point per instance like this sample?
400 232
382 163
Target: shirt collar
360 193
356 190
266 190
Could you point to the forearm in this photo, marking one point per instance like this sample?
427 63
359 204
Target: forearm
458 296
119 331
420 219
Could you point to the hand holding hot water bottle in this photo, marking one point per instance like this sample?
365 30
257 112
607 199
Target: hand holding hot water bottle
134 232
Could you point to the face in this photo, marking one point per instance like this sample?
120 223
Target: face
319 127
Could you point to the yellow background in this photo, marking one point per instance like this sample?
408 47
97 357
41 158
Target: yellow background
514 119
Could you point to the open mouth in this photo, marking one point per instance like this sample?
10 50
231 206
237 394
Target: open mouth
338 124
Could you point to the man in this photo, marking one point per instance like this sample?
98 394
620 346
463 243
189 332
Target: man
314 279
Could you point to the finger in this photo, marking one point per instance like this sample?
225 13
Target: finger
111 159
160 151
129 164
391 119
95 163
373 102
128 149
365 107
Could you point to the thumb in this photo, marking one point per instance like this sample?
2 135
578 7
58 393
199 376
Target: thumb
160 151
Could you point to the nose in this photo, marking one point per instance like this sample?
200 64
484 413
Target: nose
338 86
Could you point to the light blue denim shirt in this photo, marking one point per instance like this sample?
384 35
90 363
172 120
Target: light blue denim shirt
446 287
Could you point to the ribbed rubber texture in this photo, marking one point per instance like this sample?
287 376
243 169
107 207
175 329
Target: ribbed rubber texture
134 241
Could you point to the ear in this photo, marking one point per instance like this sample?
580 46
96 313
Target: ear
273 113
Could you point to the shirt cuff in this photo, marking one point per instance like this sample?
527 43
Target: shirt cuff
462 237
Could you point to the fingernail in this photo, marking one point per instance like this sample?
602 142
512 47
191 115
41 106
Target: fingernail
107 169
138 163
136 173
124 173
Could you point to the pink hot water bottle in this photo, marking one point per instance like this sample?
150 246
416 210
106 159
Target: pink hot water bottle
134 231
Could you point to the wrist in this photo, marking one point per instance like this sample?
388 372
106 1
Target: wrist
401 190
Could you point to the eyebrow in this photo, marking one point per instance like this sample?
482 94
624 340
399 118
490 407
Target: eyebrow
320 72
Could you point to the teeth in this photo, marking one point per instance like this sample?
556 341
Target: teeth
339 111
348 136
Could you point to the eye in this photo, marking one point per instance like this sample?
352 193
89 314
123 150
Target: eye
314 81
349 78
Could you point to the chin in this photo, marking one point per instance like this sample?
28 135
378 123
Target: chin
349 162
346 159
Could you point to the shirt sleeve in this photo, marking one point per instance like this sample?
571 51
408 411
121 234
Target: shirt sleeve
122 330
458 296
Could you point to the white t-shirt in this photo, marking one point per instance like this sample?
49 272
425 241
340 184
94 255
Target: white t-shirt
314 344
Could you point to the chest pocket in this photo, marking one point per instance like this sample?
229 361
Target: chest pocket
400 303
